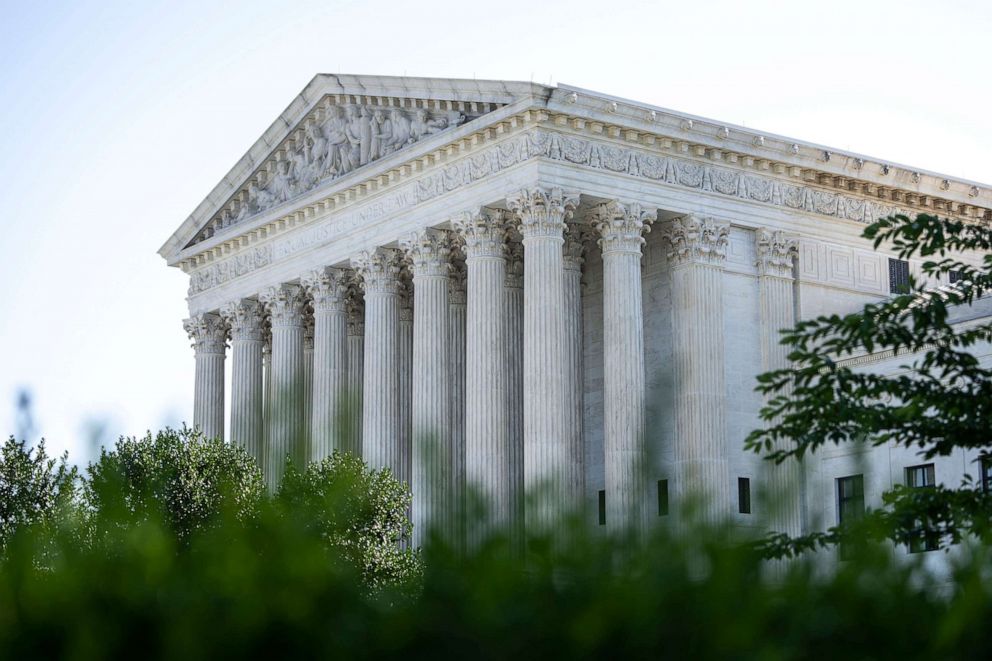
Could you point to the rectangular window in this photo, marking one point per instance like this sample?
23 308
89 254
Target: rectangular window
744 495
602 508
954 276
850 505
986 464
898 276
662 497
921 538
850 498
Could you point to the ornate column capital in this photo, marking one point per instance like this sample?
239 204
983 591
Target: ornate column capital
246 318
515 264
694 239
776 252
484 231
573 252
406 298
542 211
328 288
208 332
458 283
428 251
379 270
285 304
621 227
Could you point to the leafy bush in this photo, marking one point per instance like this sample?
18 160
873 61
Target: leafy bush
362 514
34 488
182 477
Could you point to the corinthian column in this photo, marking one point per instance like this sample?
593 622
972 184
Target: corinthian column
456 343
776 254
547 448
209 336
356 371
428 251
513 312
621 228
286 420
380 273
487 447
328 287
406 378
247 339
572 260
698 249
306 448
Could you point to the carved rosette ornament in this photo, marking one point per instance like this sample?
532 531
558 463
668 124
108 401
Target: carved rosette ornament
483 232
246 319
327 288
776 252
208 333
697 240
285 304
379 270
542 212
622 227
428 251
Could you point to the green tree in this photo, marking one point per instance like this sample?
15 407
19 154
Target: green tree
180 476
35 489
941 402
361 514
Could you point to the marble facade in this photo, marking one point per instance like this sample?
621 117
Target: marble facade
514 286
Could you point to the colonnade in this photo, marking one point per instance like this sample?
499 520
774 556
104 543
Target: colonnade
480 386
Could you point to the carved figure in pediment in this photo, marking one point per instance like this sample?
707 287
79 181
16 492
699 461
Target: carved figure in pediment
298 169
259 197
382 135
423 125
353 133
316 151
281 186
401 129
335 133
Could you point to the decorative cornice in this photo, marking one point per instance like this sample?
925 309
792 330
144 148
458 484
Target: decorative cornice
327 288
246 319
285 305
483 232
208 333
696 240
676 165
542 212
429 252
776 252
379 270
621 227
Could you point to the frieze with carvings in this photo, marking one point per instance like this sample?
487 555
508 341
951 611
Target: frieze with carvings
539 143
347 138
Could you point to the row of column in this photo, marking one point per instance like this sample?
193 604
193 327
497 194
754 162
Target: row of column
475 380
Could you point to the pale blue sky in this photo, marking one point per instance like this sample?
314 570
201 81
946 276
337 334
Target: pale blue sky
117 118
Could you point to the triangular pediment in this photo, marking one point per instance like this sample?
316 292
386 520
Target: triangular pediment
340 126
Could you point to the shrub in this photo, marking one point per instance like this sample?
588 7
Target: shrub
34 488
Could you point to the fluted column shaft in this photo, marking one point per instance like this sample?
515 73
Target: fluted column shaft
356 374
572 260
328 289
307 390
457 321
380 271
287 425
209 334
513 312
776 254
407 445
621 228
245 318
428 251
487 447
701 465
547 449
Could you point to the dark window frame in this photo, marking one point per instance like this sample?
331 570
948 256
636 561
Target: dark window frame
921 538
743 495
898 276
602 507
663 502
850 491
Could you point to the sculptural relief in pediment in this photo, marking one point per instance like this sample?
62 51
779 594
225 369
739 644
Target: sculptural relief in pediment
337 140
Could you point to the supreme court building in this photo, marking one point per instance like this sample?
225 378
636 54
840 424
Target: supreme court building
513 285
